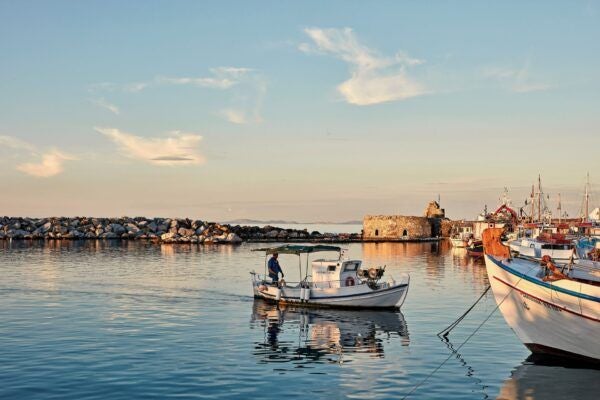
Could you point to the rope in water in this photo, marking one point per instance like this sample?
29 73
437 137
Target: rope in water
444 333
418 385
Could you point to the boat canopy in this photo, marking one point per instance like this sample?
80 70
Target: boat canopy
298 249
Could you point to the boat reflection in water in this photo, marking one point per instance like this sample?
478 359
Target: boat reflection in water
305 335
546 378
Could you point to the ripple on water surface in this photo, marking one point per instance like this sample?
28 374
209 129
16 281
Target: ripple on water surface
133 320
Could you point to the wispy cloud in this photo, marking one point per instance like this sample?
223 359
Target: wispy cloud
51 164
219 78
234 116
247 86
374 78
518 80
102 103
177 148
222 78
15 143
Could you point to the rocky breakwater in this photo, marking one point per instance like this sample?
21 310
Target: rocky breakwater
164 230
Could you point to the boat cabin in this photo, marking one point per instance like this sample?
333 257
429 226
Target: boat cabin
331 271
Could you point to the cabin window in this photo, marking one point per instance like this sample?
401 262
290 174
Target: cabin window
376 232
405 233
351 267
331 268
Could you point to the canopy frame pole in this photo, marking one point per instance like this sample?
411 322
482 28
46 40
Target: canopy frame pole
306 275
266 263
300 266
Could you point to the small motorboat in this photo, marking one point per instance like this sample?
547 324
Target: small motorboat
461 235
332 282
553 308
475 248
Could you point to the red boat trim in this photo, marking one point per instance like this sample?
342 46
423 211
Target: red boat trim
552 351
544 301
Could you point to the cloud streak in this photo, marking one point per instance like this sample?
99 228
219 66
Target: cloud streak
518 80
220 78
247 86
102 103
374 78
16 144
177 148
51 164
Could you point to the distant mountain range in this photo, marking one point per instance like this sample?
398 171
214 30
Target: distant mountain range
244 221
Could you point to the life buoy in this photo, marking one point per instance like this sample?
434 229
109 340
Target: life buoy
349 281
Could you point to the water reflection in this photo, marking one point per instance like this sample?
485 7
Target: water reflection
303 335
542 378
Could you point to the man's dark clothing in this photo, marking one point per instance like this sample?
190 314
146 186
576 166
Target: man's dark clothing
274 269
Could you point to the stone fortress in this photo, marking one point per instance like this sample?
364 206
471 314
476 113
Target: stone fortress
431 226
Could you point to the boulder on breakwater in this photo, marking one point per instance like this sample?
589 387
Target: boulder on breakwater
164 230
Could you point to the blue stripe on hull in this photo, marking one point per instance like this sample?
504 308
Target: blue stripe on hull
542 283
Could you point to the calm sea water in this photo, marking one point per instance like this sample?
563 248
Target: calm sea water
132 320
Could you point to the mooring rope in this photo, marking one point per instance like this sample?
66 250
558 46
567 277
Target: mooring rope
444 333
418 385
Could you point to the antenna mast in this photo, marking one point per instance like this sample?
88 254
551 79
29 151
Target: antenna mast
559 209
539 198
532 203
587 199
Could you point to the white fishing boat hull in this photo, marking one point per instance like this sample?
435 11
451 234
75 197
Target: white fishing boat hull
560 317
389 295
534 249
458 242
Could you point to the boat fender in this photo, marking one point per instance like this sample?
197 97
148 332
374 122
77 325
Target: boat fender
306 294
349 281
373 274
302 293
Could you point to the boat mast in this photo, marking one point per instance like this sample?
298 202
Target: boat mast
539 198
587 199
559 209
532 203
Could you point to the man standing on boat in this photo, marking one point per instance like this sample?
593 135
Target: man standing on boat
274 268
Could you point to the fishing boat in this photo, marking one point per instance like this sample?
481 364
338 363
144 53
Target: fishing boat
475 248
556 246
461 235
553 308
331 282
588 248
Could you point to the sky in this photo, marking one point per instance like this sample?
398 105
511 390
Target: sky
310 111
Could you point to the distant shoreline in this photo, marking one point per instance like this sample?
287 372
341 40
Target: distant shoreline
166 230
244 221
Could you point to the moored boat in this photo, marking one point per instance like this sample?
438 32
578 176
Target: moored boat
475 248
334 282
556 246
461 234
553 308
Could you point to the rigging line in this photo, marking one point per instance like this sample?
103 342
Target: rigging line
418 385
444 333
471 371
